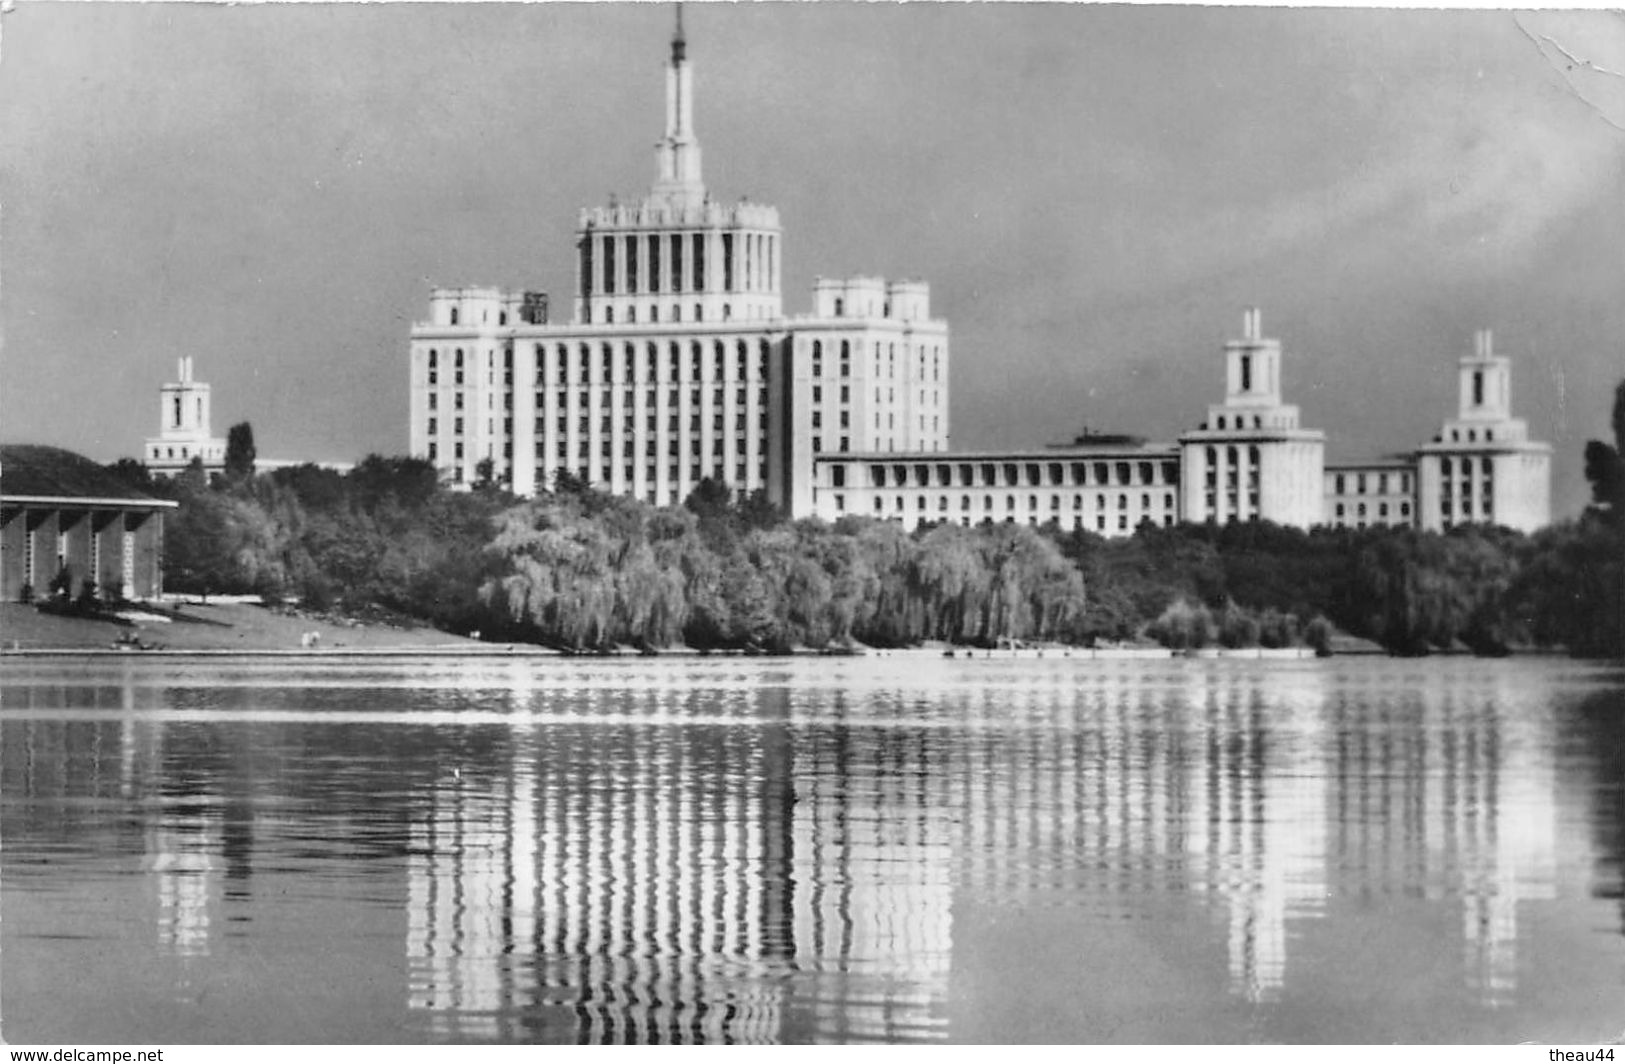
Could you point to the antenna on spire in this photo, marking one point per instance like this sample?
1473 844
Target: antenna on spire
679 46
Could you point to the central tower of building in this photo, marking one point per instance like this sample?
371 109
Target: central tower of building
678 255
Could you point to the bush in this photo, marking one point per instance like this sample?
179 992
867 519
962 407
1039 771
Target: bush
1318 634
1237 627
1277 629
1183 627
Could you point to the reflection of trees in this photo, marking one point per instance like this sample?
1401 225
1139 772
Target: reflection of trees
1600 728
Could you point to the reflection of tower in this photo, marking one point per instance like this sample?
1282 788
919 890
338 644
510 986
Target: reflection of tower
180 857
1441 786
1504 821
610 890
457 887
1259 818
874 909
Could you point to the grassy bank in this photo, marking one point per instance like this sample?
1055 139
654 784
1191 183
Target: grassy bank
216 626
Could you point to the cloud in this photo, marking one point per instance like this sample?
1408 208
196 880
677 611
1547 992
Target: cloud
1468 170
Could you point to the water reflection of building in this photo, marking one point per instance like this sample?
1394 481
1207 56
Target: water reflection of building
874 859
625 880
1272 804
1444 781
750 862
1126 783
52 766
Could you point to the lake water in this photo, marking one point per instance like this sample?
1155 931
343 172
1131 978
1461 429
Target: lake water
893 849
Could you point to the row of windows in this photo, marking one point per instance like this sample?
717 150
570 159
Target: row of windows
606 424
755 261
1448 509
845 363
1121 521
1233 478
1383 512
1232 457
605 474
651 423
1485 466
1362 480
576 401
606 448
968 502
1465 488
1232 501
1012 474
579 397
1239 421
574 364
1472 436
607 314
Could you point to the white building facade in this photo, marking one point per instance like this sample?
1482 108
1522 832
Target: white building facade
678 364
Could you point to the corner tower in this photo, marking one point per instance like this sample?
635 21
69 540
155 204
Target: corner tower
1482 468
678 255
183 427
1250 460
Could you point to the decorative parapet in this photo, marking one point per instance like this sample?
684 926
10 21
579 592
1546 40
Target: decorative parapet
656 212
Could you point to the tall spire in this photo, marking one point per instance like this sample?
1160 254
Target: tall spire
677 155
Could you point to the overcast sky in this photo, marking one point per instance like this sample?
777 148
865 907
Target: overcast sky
1094 193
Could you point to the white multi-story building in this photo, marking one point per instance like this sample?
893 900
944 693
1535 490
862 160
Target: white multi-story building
678 364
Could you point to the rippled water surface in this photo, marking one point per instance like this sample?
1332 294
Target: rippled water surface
893 849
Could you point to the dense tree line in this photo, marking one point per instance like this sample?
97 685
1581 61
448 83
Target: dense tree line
582 570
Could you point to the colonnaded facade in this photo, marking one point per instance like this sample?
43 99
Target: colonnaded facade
678 364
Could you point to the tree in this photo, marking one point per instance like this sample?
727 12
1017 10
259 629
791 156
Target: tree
132 472
1605 465
240 452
